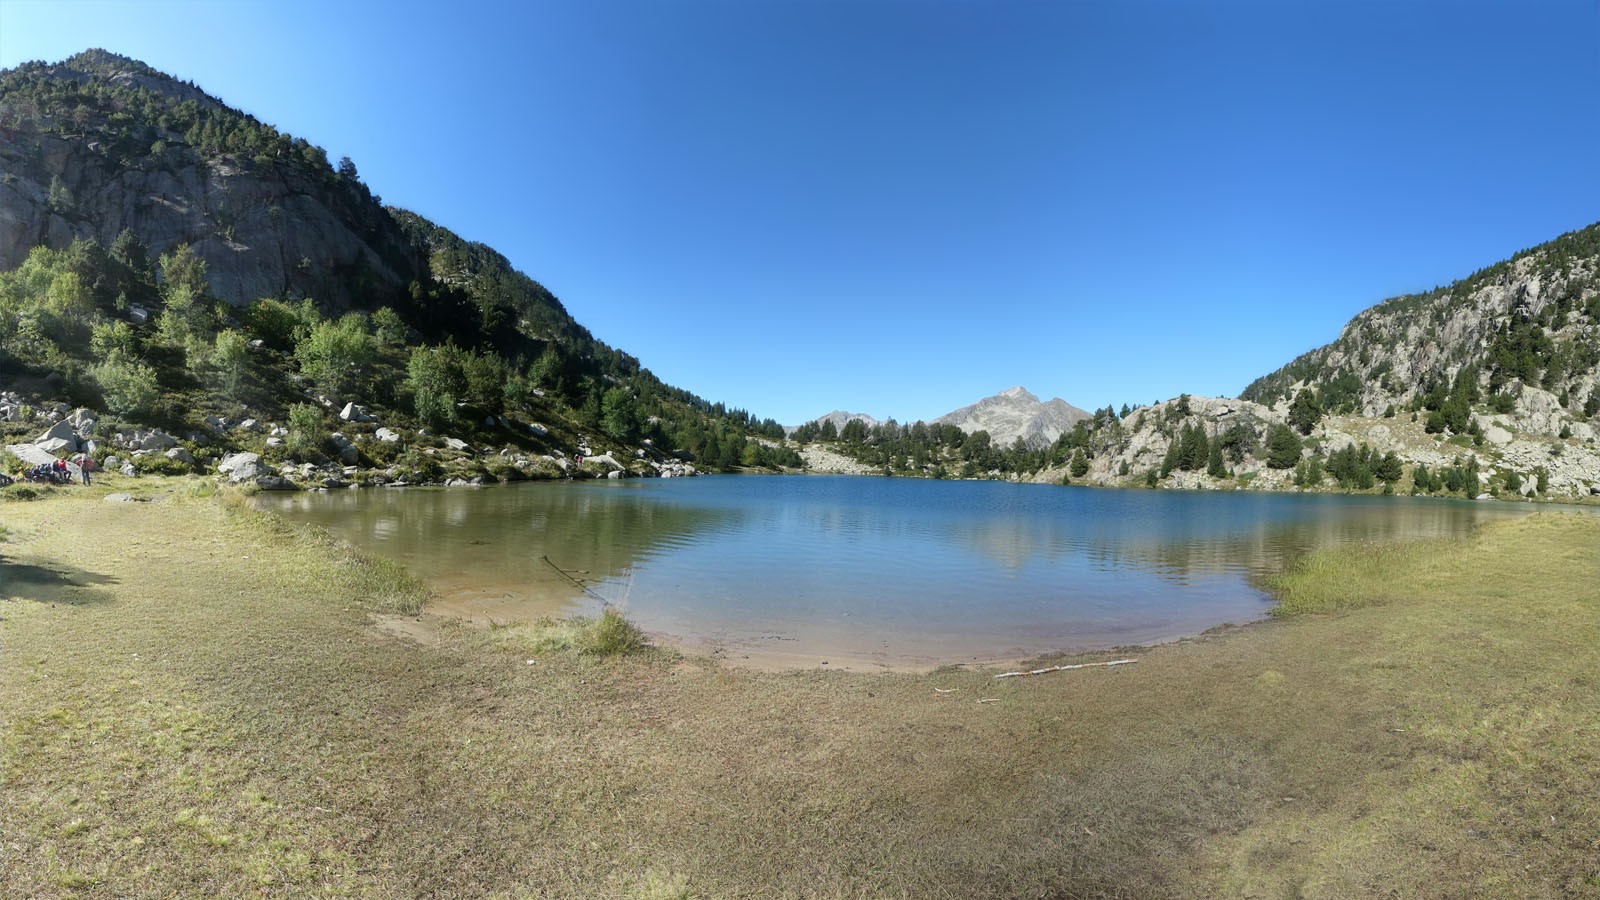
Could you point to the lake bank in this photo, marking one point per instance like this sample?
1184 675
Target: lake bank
199 703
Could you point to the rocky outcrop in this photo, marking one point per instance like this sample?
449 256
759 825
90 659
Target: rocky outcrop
1016 414
1528 327
266 225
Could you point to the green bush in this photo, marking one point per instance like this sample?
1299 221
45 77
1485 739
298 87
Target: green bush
156 464
416 467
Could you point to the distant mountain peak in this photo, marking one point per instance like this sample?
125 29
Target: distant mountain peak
1017 413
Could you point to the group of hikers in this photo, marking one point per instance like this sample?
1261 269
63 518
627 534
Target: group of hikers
57 472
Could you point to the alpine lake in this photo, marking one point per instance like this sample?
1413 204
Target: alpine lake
864 572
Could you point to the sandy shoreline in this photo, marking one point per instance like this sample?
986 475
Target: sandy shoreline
490 606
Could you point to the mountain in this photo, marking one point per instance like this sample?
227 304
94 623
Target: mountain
1015 414
1487 386
101 143
170 261
840 418
1521 336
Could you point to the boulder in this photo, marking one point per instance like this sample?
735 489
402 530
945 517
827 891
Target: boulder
1496 435
250 425
387 436
256 344
274 483
128 470
274 442
119 497
60 431
58 446
240 467
458 444
152 440
216 423
354 413
83 420
537 430
181 455
30 454
138 315
604 459
345 447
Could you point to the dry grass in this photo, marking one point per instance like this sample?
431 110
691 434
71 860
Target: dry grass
197 705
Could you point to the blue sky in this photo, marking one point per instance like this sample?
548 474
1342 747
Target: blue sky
901 207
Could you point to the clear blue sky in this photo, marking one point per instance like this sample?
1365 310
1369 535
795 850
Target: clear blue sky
901 207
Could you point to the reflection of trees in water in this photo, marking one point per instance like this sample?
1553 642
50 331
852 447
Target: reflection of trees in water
602 532
1175 541
598 532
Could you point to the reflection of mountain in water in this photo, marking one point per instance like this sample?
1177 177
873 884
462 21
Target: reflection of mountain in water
499 535
1173 536
934 570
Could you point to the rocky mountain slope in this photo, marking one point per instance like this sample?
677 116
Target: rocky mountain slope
169 262
1485 387
1526 331
101 143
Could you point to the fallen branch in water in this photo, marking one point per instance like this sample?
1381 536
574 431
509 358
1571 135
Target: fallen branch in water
1114 662
575 582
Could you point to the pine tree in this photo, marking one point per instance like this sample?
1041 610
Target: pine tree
1283 447
1170 461
1305 411
1214 466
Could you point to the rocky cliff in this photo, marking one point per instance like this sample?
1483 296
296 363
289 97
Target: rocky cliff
101 143
1525 331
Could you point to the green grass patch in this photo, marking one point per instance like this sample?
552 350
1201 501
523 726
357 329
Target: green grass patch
609 634
1353 576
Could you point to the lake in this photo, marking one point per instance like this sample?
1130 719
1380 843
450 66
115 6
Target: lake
861 570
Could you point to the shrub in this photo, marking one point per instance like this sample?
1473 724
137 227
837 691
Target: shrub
305 430
21 492
611 635
156 464
130 387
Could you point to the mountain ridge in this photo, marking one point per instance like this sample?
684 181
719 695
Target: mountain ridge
180 223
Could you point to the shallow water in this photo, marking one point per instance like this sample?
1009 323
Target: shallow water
897 571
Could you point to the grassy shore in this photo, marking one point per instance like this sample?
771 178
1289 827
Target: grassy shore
194 701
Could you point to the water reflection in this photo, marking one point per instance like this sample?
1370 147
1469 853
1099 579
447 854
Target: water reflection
889 568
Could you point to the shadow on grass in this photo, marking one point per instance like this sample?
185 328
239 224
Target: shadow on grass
59 584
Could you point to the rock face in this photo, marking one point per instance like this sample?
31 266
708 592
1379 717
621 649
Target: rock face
1016 414
234 208
1528 327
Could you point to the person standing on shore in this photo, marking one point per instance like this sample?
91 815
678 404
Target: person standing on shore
85 463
